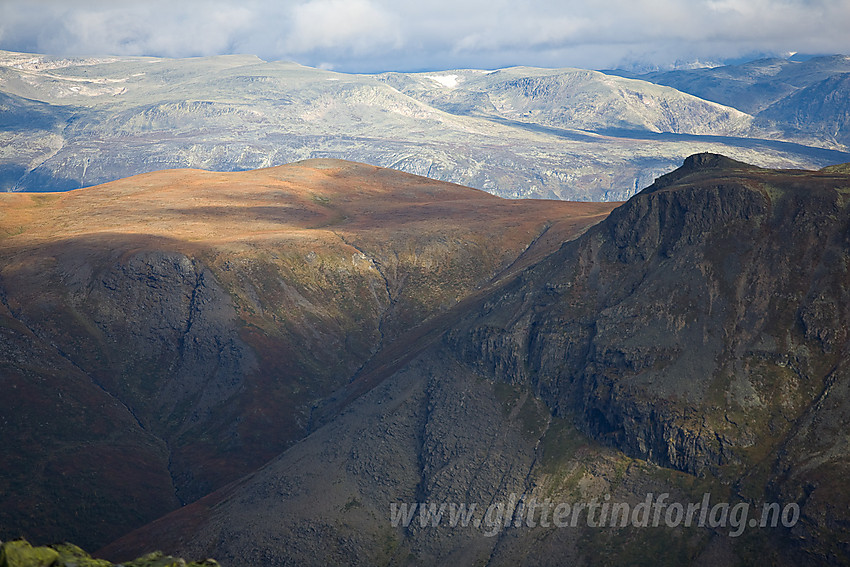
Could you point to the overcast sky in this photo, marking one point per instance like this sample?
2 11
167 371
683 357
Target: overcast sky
406 35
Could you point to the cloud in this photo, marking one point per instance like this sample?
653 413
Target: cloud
375 35
358 26
124 28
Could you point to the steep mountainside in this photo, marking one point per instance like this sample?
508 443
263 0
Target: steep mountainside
804 101
821 110
750 87
165 334
694 342
521 132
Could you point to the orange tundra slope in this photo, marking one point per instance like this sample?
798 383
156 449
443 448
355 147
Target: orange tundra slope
165 334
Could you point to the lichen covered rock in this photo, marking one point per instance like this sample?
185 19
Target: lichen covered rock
20 553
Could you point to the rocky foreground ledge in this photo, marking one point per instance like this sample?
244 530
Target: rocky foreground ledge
20 553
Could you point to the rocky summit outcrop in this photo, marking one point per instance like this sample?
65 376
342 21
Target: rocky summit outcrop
692 345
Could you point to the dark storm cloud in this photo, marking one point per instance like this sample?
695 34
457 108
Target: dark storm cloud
372 35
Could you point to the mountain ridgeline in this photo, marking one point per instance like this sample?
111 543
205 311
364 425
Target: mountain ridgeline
692 343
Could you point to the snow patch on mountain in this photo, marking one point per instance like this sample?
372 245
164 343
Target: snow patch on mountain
448 81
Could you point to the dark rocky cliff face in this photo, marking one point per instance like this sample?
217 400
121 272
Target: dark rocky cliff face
702 327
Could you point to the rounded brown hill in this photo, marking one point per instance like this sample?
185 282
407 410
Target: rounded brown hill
314 195
165 334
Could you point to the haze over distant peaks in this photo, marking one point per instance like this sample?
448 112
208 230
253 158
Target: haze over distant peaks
516 132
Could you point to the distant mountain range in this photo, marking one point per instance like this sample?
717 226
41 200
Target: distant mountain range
519 132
